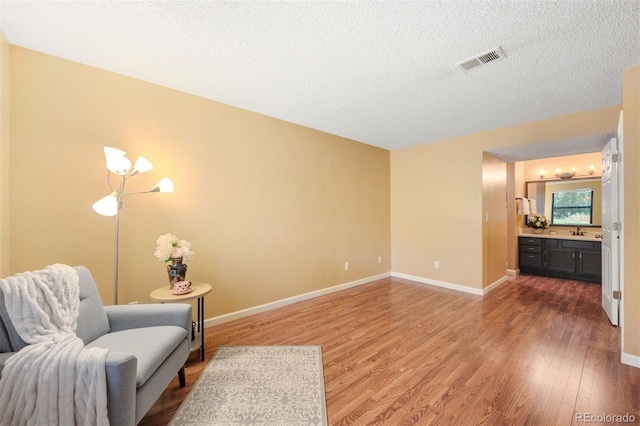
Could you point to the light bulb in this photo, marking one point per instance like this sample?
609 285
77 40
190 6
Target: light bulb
119 166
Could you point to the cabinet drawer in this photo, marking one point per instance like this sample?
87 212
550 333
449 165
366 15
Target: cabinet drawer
531 241
551 243
585 245
531 259
530 249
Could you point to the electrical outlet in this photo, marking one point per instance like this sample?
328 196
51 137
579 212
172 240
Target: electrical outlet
346 266
436 264
379 259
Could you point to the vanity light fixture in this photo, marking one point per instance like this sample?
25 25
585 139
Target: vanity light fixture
568 175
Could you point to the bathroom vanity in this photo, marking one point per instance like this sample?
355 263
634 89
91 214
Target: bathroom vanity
578 258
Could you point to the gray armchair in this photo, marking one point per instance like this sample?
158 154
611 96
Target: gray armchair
148 345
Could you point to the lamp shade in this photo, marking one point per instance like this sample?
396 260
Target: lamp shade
165 185
116 161
141 165
107 205
112 153
119 166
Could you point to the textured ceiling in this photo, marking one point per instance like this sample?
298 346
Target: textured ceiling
381 73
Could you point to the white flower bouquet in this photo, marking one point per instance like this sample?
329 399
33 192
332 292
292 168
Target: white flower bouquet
537 221
169 246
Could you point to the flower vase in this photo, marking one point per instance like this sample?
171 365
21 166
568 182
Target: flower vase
537 230
177 271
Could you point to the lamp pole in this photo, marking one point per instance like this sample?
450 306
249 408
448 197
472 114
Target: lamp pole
115 270
119 197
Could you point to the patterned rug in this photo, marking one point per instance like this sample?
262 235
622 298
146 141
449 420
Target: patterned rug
258 385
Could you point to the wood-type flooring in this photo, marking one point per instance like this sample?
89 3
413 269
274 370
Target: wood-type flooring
534 351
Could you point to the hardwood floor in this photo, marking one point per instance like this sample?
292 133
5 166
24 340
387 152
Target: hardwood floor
534 351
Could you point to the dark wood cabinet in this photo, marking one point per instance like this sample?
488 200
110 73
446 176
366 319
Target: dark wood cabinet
573 259
531 253
561 260
590 263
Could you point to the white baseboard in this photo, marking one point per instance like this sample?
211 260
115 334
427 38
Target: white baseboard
494 285
290 300
457 287
632 360
513 271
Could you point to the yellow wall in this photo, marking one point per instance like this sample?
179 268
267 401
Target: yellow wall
272 209
581 162
437 195
631 220
4 156
494 222
515 222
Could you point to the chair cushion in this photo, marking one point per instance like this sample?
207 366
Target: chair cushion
150 345
92 318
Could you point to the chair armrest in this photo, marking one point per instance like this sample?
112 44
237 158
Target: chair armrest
121 388
126 317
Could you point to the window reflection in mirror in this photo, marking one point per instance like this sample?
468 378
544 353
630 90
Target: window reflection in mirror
572 208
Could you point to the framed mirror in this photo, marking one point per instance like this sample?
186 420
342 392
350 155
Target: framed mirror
569 202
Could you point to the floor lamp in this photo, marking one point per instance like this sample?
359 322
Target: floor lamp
110 205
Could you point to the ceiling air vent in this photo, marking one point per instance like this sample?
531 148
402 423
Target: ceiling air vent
484 58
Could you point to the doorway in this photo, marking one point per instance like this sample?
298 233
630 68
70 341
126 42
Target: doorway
578 157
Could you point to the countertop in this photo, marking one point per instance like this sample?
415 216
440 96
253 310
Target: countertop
563 235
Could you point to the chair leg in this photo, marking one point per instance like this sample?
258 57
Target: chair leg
181 377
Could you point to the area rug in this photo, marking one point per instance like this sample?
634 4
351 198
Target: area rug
259 386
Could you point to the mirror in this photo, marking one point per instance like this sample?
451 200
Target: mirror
569 202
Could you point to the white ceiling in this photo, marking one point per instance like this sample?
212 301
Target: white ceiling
379 72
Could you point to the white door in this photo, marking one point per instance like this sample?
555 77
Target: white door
610 232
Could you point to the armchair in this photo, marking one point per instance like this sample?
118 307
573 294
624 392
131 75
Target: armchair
148 345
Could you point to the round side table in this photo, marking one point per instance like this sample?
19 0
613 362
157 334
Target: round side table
198 291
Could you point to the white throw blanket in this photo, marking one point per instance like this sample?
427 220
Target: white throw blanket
55 380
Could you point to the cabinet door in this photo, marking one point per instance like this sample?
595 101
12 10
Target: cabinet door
561 260
589 262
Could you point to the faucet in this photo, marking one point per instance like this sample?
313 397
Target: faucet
578 231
